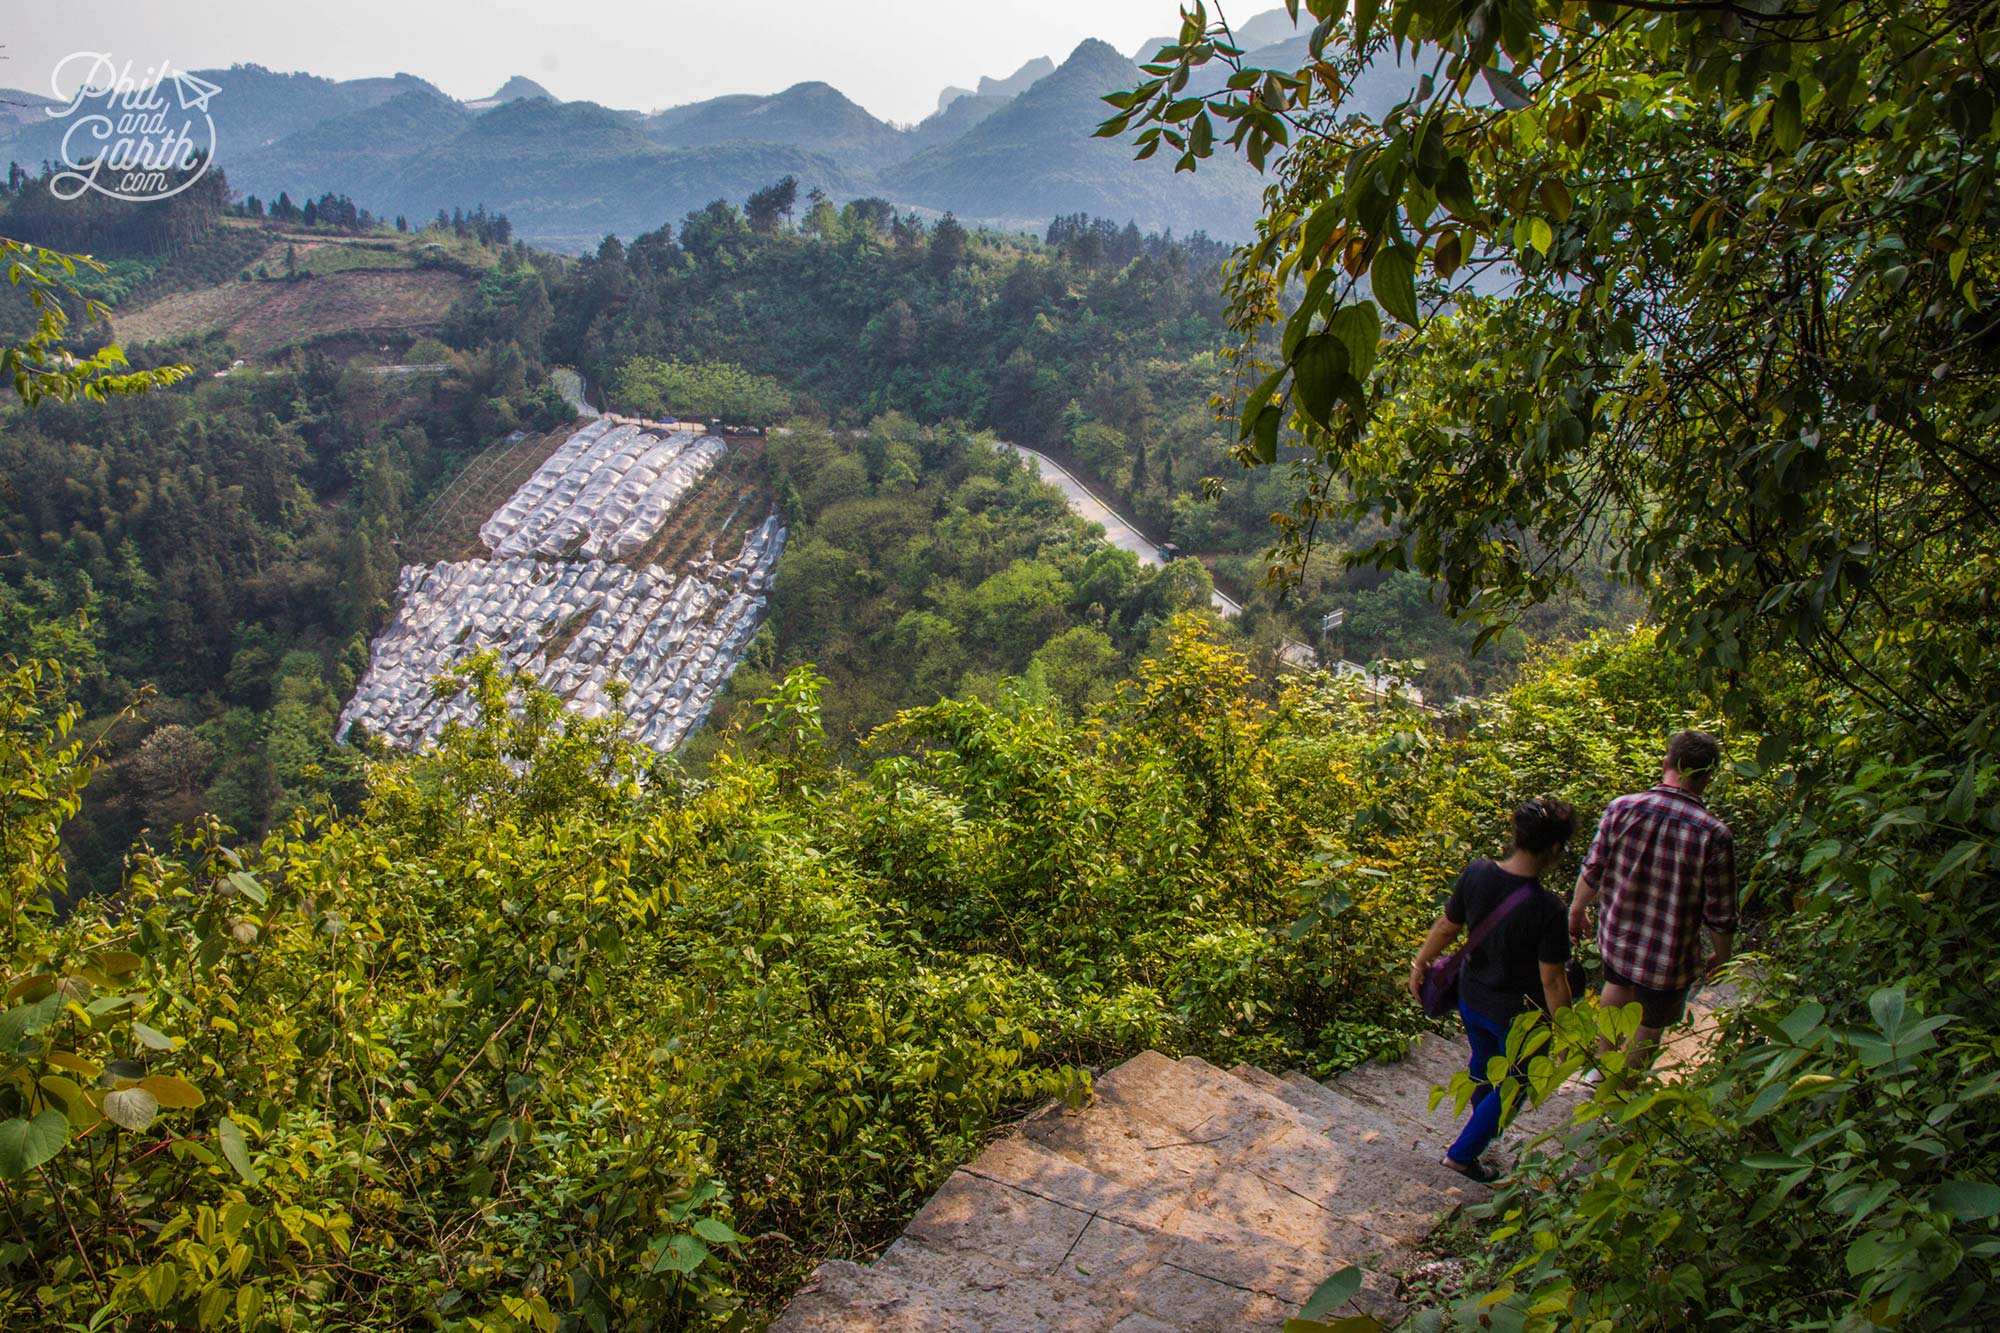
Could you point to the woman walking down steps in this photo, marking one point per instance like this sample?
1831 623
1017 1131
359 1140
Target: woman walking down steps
1517 957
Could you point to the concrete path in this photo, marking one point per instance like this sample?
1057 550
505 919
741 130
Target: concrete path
1184 1199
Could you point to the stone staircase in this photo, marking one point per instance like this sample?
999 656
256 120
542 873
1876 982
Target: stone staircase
1184 1198
1187 1198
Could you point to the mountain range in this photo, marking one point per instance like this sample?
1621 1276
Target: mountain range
1012 153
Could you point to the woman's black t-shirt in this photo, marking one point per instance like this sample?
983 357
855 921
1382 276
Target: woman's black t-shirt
1503 976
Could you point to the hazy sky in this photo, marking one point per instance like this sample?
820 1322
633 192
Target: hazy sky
892 56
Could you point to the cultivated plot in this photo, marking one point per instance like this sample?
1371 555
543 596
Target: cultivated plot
568 597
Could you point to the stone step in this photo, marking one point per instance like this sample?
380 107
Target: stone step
1210 1232
1106 1271
1264 1169
841 1297
1404 1087
1056 1300
1349 1120
1310 1112
1019 1162
1184 1199
1005 1217
1404 1101
1195 1098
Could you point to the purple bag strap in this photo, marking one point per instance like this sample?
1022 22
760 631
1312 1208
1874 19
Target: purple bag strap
1497 915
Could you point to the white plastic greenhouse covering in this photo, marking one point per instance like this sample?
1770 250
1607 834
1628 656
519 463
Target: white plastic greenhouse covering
556 602
604 494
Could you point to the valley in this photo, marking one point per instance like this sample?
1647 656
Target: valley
1008 155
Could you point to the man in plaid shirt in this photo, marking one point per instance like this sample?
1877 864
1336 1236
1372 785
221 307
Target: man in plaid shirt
1665 867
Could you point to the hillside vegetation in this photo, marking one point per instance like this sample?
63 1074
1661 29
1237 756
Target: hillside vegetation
1100 344
551 1034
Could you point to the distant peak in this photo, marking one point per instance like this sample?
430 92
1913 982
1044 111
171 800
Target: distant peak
1092 54
1266 29
1033 71
518 87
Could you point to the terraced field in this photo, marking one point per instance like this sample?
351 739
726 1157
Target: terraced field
261 317
448 529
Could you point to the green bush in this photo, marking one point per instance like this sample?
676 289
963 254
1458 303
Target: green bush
652 387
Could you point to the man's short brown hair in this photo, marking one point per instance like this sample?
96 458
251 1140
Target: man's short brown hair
1693 754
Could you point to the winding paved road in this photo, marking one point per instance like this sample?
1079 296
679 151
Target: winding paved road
1117 530
1120 533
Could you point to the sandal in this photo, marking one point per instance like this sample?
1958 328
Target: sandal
1478 1171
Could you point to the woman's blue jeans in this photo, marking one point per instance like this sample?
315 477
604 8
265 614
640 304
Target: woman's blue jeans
1489 1038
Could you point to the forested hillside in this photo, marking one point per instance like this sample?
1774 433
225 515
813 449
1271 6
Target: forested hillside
542 1029
929 565
1101 344
208 563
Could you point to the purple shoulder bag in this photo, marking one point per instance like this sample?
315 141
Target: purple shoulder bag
1438 992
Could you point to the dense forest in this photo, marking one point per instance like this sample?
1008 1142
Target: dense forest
932 566
209 562
229 547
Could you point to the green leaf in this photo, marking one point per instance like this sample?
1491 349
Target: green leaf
1265 431
1258 399
1312 237
1967 1200
248 886
131 1108
1801 1021
709 1228
236 1150
1393 276
1359 328
152 1037
1960 856
1887 1004
1958 806
1300 323
1318 373
1508 90
1364 20
25 1020
1336 1291
681 1254
1773 1161
1788 127
26 1144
